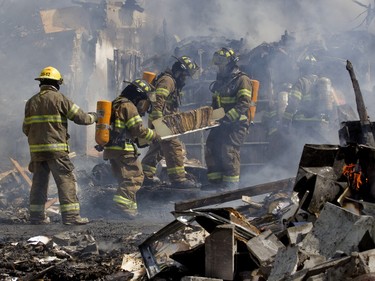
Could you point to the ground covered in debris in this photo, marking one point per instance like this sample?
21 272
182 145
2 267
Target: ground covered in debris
55 251
58 252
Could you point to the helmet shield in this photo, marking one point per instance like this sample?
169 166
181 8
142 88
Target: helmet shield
223 57
189 66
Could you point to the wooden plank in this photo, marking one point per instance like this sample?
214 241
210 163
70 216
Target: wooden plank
21 170
4 174
223 197
50 202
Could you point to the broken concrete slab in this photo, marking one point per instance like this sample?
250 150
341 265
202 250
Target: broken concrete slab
285 263
220 248
337 229
298 232
264 247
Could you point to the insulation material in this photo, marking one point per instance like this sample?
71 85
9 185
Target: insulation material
190 120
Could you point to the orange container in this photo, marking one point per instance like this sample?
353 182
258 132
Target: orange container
149 76
254 98
104 110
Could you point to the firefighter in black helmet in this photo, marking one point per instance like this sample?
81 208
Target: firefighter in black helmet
232 90
121 150
168 86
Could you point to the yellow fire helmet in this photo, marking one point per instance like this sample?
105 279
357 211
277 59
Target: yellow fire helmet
52 73
224 56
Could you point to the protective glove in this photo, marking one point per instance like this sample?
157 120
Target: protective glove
95 115
157 137
225 120
99 148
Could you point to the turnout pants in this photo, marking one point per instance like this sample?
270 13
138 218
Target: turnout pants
128 172
173 152
62 172
222 153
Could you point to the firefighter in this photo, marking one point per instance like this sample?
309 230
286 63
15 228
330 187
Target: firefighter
311 98
121 150
232 90
167 101
46 127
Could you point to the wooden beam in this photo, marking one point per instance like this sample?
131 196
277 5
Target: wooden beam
4 174
50 202
21 170
223 197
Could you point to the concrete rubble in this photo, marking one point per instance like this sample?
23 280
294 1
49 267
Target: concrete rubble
270 231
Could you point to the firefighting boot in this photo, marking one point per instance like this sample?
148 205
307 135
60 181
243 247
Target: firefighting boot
185 184
154 181
39 218
125 212
46 220
78 220
227 186
212 186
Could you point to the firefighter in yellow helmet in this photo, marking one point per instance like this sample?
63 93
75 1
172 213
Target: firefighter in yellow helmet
46 126
167 94
121 151
232 90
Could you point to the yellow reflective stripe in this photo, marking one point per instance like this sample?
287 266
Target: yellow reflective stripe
216 97
296 94
228 100
233 114
270 114
288 115
149 135
147 168
128 147
72 111
303 118
119 124
231 178
133 121
162 92
49 147
125 201
243 117
176 170
214 176
272 131
307 98
72 207
36 208
244 93
155 115
45 119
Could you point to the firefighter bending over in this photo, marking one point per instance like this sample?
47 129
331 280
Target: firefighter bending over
121 150
46 127
167 94
232 90
311 100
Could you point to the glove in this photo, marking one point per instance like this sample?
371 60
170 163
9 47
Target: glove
157 137
99 148
95 115
225 120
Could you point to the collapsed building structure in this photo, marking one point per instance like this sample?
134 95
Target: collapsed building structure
260 234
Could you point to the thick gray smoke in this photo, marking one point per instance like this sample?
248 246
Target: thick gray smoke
25 48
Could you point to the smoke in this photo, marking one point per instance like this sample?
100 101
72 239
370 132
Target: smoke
25 48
